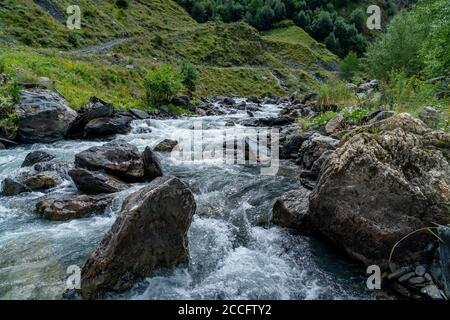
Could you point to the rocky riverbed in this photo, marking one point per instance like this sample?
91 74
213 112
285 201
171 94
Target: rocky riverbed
100 189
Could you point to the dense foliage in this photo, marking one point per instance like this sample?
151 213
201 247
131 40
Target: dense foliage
416 43
320 18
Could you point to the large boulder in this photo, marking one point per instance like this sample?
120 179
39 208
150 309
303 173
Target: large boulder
36 157
291 209
150 233
43 116
93 109
107 126
62 208
384 182
95 182
118 158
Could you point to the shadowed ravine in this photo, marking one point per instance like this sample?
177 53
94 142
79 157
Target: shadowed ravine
235 253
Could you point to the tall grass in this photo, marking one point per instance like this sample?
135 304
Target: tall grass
336 93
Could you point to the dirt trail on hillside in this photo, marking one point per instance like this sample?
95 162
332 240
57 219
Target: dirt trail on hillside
99 48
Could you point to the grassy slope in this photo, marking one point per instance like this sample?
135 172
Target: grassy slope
232 58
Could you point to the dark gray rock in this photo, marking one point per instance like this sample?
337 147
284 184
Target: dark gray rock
139 114
398 273
314 147
416 280
43 116
291 209
289 149
229 101
421 270
108 126
150 233
95 182
35 157
152 166
117 158
93 109
62 208
406 277
12 187
444 257
432 292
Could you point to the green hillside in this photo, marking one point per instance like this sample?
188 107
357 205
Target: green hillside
231 58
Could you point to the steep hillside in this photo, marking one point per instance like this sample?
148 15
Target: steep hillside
231 58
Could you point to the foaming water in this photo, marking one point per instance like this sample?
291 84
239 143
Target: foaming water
235 253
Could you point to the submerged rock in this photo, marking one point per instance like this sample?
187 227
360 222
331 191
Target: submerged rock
62 167
62 208
43 116
35 157
379 187
150 233
167 145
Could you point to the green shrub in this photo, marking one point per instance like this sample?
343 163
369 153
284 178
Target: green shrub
349 67
355 114
8 116
323 118
190 76
162 84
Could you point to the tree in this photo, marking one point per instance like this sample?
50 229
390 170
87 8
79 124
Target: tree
322 26
399 48
198 12
302 19
162 84
358 18
349 66
331 42
264 17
